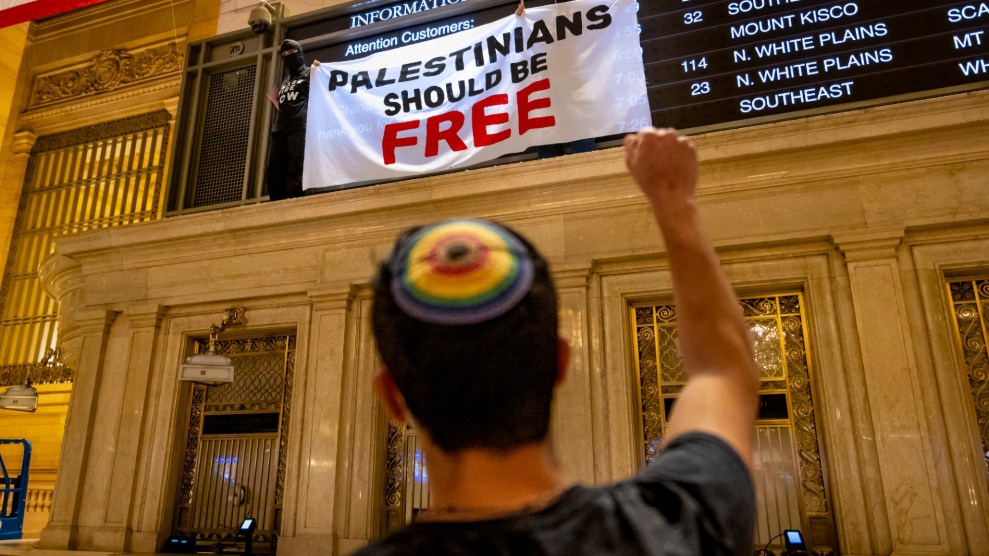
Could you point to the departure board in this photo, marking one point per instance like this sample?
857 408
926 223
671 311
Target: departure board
714 62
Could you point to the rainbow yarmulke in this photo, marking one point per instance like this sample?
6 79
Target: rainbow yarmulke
460 272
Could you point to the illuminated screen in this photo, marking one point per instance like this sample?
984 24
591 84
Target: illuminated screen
715 62
718 63
794 537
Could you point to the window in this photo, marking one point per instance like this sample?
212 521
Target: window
95 177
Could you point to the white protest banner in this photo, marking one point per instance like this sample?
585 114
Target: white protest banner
553 75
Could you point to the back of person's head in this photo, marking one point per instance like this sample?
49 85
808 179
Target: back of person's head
465 319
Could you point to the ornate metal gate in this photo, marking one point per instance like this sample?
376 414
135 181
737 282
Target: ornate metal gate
236 443
970 301
788 463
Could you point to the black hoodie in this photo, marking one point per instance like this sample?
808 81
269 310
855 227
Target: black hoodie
293 95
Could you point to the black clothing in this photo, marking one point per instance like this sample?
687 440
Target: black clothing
293 101
295 61
696 498
287 148
286 152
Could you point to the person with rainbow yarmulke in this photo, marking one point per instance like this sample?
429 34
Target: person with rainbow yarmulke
465 319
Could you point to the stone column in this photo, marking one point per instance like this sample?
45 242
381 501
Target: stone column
132 400
11 188
909 482
572 428
83 337
327 426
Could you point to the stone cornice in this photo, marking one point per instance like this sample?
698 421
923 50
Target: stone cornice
572 276
869 245
333 297
60 275
90 321
589 182
145 315
853 125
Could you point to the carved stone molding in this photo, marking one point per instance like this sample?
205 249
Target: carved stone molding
572 277
74 328
145 315
869 245
106 72
60 275
41 117
334 297
172 106
23 142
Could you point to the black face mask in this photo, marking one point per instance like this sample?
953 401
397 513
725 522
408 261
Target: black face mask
294 62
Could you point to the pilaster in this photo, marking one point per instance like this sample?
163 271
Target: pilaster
310 530
115 533
907 473
90 331
572 426
11 187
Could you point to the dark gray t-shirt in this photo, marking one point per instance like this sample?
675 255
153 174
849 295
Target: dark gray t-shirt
695 498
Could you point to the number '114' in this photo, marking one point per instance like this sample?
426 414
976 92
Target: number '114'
693 64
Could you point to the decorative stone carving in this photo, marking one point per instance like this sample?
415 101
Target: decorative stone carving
107 71
100 132
23 142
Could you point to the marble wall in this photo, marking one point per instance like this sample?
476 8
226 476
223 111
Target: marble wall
33 51
866 212
12 42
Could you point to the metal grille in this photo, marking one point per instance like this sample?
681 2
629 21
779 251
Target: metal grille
407 491
96 177
259 385
237 481
394 517
225 140
232 474
787 462
970 301
775 473
416 476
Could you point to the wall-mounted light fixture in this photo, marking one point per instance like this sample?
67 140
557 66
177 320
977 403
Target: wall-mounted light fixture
20 398
210 367
25 398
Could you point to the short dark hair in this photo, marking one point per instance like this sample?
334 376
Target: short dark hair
481 385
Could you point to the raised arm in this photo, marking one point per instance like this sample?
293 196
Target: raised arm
721 394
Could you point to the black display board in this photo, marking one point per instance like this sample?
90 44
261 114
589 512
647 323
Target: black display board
717 63
714 62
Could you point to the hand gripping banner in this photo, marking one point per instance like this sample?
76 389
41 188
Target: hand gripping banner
552 75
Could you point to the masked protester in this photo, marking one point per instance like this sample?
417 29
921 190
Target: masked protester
288 136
